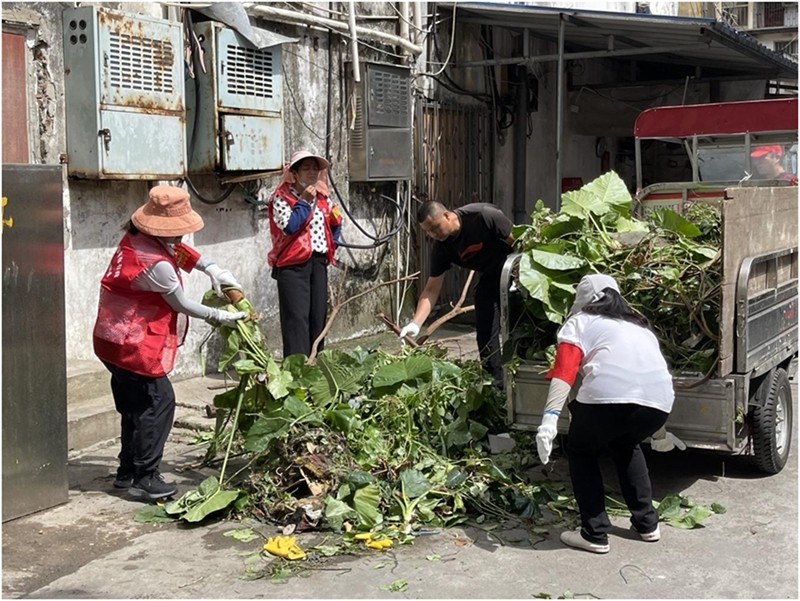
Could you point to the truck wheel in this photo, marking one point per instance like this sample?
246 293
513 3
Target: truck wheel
772 424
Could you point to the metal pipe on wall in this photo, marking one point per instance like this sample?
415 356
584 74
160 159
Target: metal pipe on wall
404 30
418 8
559 110
520 144
295 18
354 43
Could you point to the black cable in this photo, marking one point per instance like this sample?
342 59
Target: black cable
196 43
210 201
378 240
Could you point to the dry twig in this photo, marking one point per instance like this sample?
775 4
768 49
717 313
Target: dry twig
456 310
337 307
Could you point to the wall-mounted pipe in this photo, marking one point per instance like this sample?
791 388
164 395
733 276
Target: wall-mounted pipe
298 18
404 20
354 43
559 112
418 8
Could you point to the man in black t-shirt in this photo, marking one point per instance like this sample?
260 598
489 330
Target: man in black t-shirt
476 236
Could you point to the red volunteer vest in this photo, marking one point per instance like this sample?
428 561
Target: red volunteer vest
294 249
136 329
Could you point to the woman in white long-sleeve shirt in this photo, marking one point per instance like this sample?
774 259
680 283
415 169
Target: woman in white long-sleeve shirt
625 396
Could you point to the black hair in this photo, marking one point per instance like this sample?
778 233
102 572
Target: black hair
131 228
428 208
613 306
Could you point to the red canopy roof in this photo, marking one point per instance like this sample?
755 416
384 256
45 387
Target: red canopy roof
717 118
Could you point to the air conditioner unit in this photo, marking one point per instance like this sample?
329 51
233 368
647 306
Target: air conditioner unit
380 137
234 116
124 95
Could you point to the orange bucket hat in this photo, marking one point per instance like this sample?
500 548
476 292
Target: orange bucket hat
167 213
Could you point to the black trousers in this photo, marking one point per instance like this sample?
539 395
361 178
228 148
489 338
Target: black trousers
303 299
147 407
619 428
487 326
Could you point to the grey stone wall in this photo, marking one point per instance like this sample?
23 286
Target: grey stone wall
236 234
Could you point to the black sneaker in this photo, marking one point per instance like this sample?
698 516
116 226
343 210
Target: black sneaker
152 486
124 478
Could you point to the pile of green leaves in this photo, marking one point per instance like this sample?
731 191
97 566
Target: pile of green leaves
359 439
667 265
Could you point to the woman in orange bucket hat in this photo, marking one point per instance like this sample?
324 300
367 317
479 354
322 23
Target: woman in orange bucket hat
138 331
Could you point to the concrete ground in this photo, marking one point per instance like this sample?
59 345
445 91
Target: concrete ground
92 548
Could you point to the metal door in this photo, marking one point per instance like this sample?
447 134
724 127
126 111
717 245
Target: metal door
34 345
251 143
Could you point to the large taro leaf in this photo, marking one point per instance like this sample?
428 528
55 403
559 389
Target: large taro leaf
365 503
543 288
342 418
196 504
556 262
409 369
343 374
561 226
264 430
336 512
413 483
611 190
598 197
232 344
582 203
671 221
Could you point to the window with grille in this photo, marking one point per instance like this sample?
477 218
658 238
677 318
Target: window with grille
789 47
140 63
735 13
769 14
249 72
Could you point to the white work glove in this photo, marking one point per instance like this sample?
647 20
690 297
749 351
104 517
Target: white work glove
545 435
221 277
226 318
411 329
666 443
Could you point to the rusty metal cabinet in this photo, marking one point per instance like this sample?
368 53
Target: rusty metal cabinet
124 93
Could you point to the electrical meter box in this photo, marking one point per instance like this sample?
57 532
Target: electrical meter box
380 139
124 93
234 107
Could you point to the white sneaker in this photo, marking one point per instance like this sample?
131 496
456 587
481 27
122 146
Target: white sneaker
651 537
573 538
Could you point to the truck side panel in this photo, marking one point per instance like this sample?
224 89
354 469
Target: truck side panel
755 221
704 417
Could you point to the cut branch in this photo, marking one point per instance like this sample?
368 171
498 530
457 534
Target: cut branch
456 310
337 307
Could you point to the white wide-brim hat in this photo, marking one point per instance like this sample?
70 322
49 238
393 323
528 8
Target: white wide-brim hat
305 154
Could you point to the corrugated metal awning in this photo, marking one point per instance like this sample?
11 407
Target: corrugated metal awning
715 47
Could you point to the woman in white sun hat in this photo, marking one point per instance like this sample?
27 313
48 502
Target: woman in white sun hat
304 225
625 397
141 321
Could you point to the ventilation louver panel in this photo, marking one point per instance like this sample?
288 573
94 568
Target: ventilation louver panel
389 97
249 72
139 63
357 132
